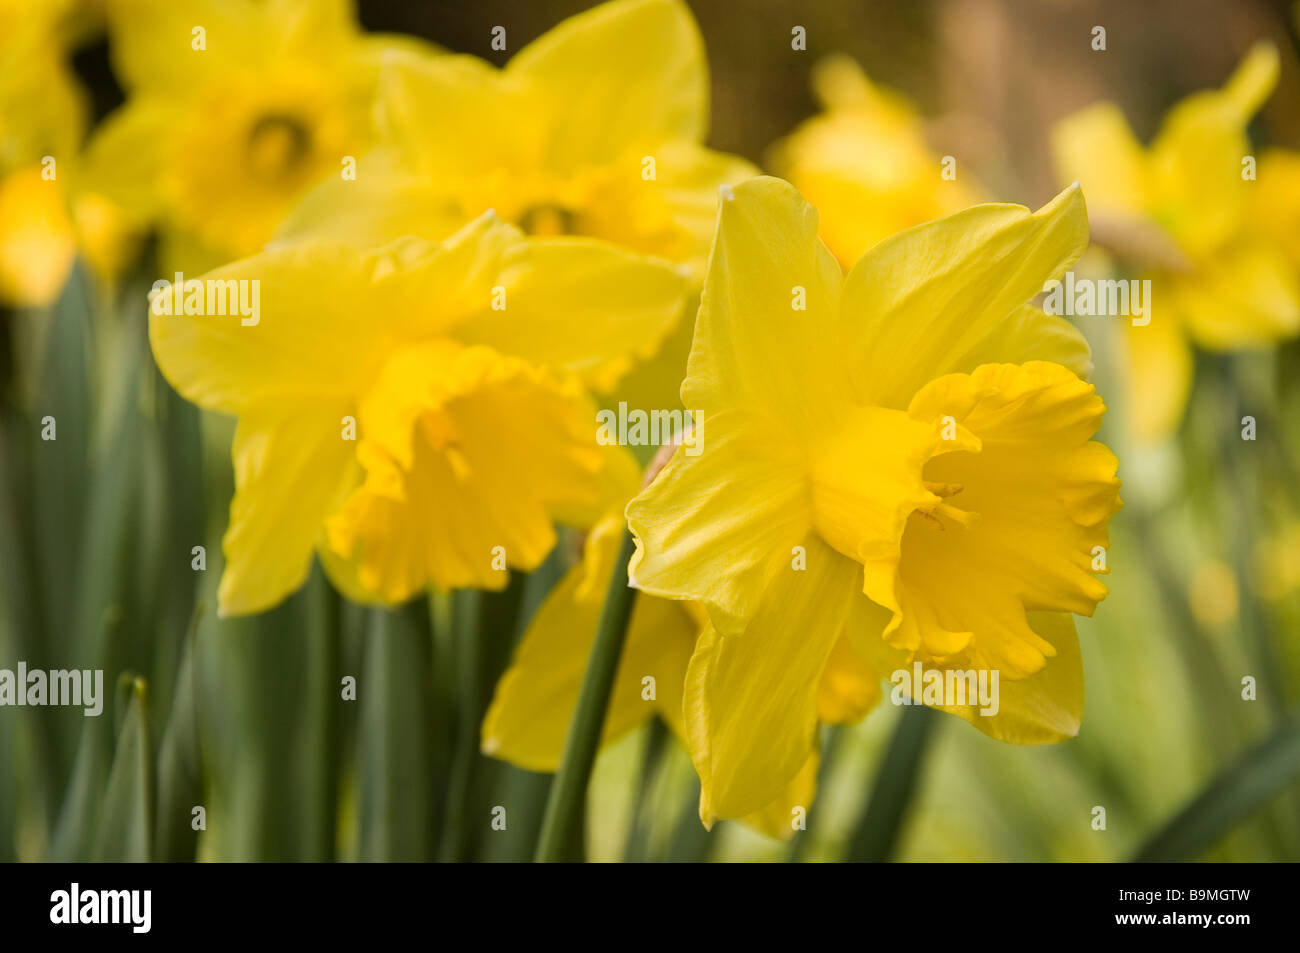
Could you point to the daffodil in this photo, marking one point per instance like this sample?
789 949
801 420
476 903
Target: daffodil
901 455
865 161
235 109
415 412
42 119
1192 214
595 128
535 699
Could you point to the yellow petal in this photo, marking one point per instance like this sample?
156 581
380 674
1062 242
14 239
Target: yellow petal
1196 159
1158 372
718 526
766 335
752 698
1247 295
1277 200
850 687
1096 148
778 818
579 305
528 721
467 455
624 75
307 338
127 154
427 102
155 48
383 203
943 293
292 468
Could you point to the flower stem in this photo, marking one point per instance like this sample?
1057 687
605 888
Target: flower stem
565 807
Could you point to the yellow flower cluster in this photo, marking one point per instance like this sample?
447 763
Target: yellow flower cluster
896 461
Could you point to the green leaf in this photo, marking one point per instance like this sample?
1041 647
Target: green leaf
126 820
180 768
395 737
1230 798
878 830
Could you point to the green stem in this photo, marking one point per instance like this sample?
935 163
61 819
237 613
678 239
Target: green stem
877 835
565 807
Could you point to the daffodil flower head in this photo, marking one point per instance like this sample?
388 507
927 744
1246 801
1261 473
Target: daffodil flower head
417 412
901 455
235 109
865 162
1192 213
595 128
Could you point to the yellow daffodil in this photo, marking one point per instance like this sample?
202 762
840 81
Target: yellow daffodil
42 118
901 455
865 162
530 714
593 129
235 109
1191 214
414 412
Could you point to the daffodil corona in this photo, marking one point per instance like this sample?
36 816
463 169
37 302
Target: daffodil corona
902 471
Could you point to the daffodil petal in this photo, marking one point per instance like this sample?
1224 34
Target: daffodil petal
1096 148
766 334
942 292
718 526
126 155
383 203
581 305
427 102
306 337
528 720
778 818
1196 158
1158 359
752 698
849 688
292 468
155 43
1248 295
638 65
